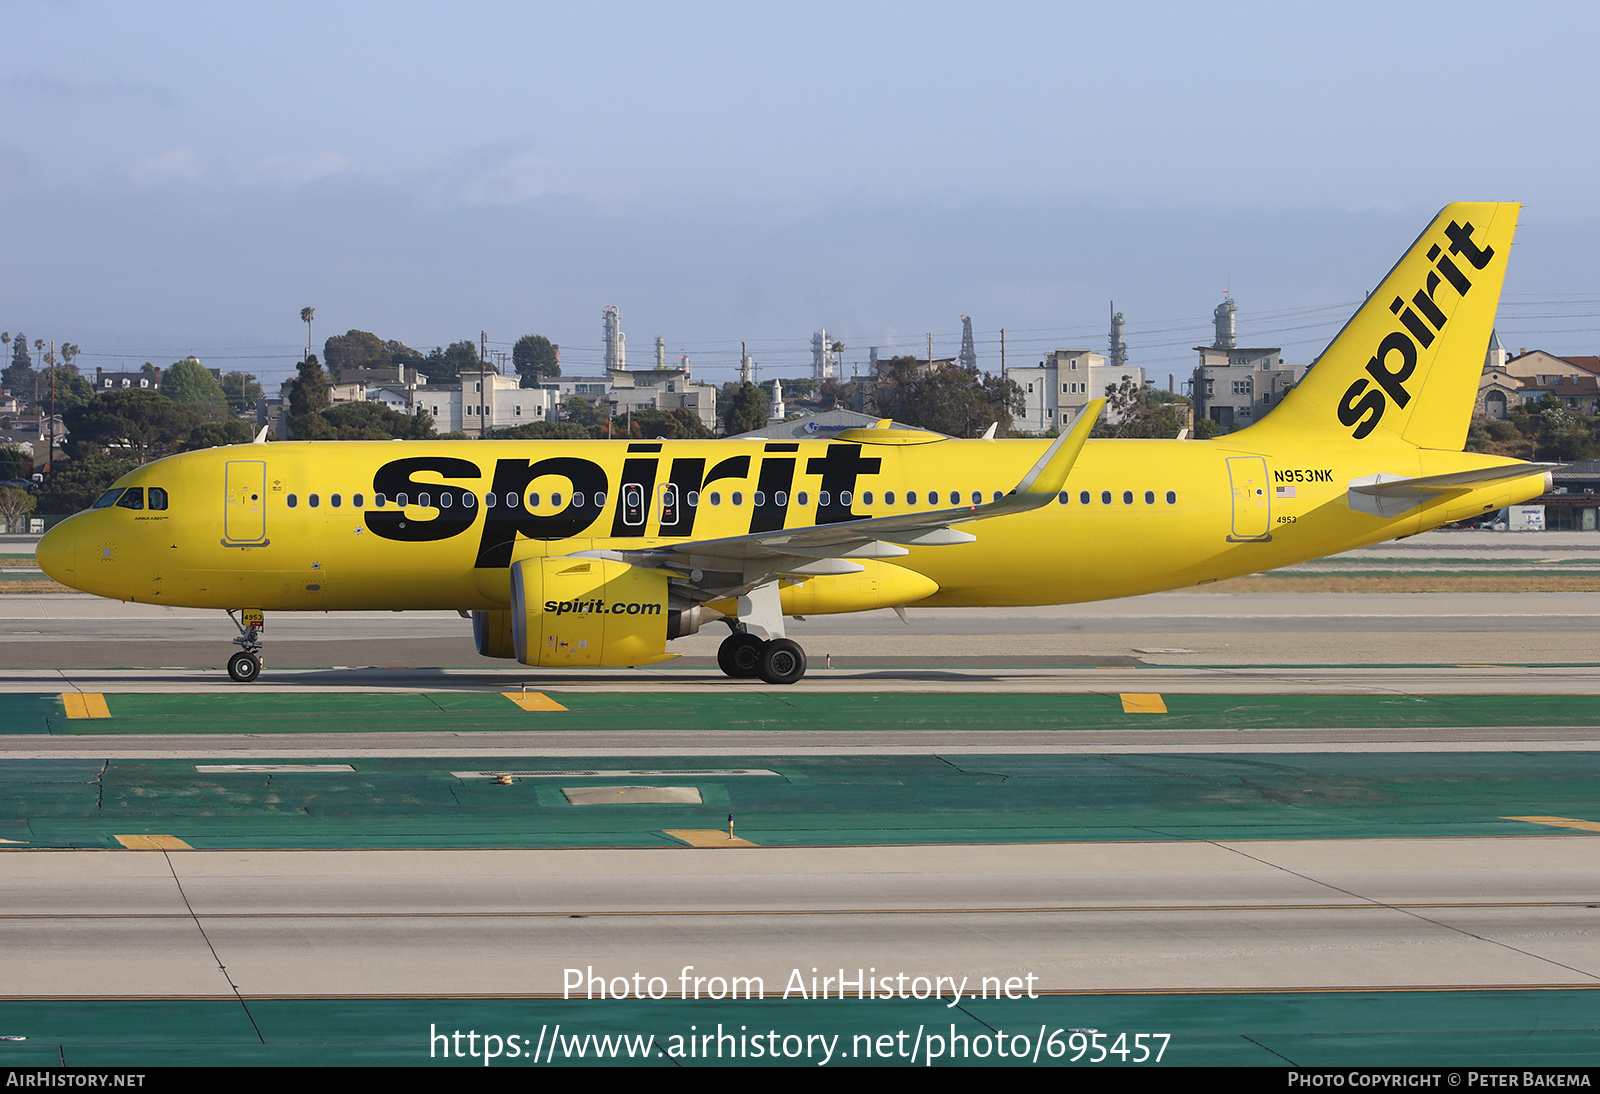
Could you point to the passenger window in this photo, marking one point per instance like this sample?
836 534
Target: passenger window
933 497
716 497
911 497
555 499
533 499
132 498
336 501
577 499
158 498
1149 497
356 501
379 500
400 500
844 497
738 498
1172 498
998 495
293 501
108 499
888 497
693 498
977 497
1127 497
468 500
1105 497
758 499
514 499
780 499
313 500
866 498
804 498
824 498
1084 497
599 499
422 499
1064 498
488 501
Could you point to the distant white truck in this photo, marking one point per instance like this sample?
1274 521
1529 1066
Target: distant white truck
1519 518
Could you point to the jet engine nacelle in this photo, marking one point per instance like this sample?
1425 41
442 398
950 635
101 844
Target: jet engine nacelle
587 613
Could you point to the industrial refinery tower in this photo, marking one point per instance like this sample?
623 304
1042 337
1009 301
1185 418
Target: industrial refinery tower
824 356
616 345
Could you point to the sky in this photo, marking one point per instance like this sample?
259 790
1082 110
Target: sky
184 178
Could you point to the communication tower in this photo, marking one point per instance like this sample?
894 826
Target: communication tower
969 352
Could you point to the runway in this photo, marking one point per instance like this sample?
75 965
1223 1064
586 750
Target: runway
1307 914
1391 795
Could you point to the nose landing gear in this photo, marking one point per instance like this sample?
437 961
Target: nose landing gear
245 666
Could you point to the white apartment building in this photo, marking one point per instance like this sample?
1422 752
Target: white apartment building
1055 391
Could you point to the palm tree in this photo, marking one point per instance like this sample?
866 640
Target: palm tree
305 317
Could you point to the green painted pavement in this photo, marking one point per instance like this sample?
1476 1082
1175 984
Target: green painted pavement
820 801
797 710
1328 1029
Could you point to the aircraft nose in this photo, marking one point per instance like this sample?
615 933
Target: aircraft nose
57 553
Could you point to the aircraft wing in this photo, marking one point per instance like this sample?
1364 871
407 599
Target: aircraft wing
1386 495
719 568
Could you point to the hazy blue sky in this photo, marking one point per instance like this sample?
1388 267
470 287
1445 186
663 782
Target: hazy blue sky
181 178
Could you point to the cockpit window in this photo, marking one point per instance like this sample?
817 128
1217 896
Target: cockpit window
132 498
158 498
108 499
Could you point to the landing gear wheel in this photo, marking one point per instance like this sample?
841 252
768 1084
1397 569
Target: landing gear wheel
244 667
782 662
739 656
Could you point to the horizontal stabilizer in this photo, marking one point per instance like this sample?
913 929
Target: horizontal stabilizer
1386 495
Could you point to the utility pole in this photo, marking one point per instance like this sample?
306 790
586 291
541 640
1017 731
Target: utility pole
51 453
483 367
930 351
1002 353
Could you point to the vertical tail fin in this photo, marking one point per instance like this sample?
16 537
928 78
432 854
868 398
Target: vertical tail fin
1407 364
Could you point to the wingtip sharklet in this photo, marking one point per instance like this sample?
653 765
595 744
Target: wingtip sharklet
1050 473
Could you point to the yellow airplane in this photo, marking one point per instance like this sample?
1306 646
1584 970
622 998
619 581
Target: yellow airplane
599 553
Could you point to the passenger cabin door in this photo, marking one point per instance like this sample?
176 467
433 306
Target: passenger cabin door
244 520
1252 504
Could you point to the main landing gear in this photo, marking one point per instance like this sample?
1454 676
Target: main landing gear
777 661
245 666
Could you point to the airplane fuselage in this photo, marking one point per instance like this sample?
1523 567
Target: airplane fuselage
299 526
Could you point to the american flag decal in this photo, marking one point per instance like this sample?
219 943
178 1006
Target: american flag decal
1285 491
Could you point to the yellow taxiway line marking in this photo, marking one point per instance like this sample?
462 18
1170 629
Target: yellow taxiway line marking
533 700
707 837
85 704
152 843
1140 703
1560 822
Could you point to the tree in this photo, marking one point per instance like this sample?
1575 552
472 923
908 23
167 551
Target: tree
76 484
15 463
306 315
371 421
1135 410
536 359
241 390
308 392
15 502
680 424
19 375
71 389
956 399
544 431
353 349
128 424
217 434
191 383
746 411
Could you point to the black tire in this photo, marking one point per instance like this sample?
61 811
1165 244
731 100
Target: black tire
739 656
782 662
244 667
